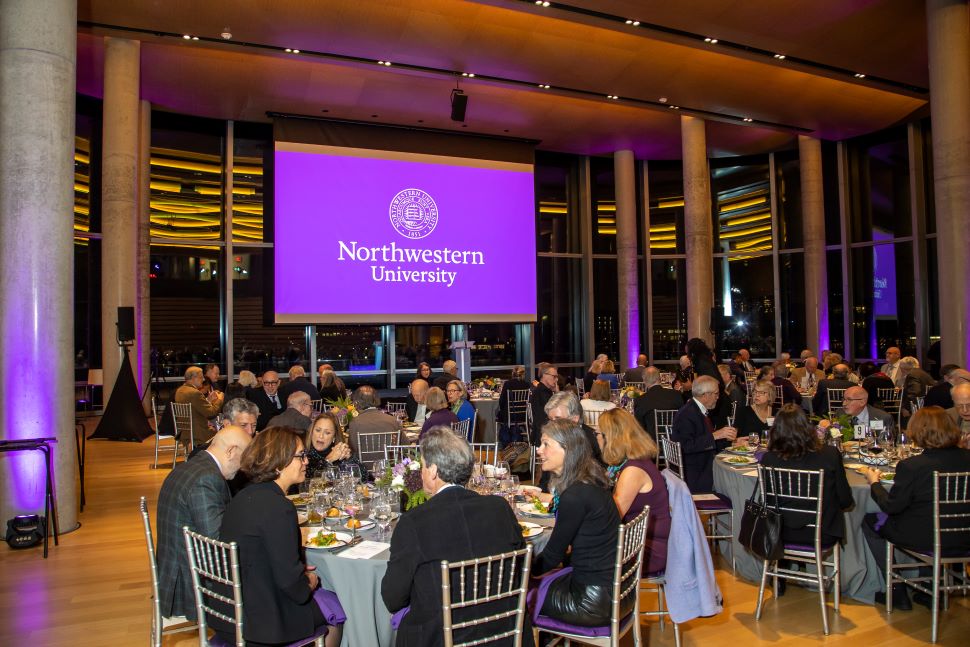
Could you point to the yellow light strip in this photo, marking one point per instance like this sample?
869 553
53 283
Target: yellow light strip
186 166
84 211
670 204
743 204
663 246
606 231
754 241
606 207
755 217
606 221
81 227
553 210
666 237
171 187
154 244
82 158
81 188
161 233
657 230
236 190
745 232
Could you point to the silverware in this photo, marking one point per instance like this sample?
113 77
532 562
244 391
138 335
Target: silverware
350 544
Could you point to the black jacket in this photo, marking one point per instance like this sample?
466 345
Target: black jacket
299 384
820 403
266 408
477 526
540 396
656 397
697 445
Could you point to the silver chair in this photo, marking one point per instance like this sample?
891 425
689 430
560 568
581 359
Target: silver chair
580 388
213 562
892 400
487 453
779 396
626 585
951 516
394 407
462 427
398 453
516 408
592 417
659 584
370 446
317 405
182 416
174 447
663 421
717 516
636 385
799 492
472 583
834 399
160 626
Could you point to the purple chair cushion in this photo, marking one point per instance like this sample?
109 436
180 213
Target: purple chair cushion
398 617
723 503
552 624
536 596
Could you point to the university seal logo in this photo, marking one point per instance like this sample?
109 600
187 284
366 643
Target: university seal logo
413 213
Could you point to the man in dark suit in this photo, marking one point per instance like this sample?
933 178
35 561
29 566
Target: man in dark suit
298 382
267 399
699 441
449 372
655 398
297 414
840 380
414 405
516 420
548 384
370 419
194 494
788 391
636 374
856 406
477 526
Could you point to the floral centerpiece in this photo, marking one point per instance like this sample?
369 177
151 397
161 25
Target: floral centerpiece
405 477
343 410
487 383
628 393
834 426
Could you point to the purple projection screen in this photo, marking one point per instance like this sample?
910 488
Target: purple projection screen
366 236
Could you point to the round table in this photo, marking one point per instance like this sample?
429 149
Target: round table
861 578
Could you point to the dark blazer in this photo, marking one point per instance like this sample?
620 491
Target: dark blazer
836 496
266 407
737 370
440 417
290 418
910 501
194 494
697 445
278 602
442 380
820 403
478 526
873 383
634 374
332 392
299 384
411 407
656 397
939 396
540 396
369 421
788 390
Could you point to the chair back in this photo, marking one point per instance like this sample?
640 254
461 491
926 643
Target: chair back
397 453
580 387
672 455
592 417
636 385
213 562
370 445
462 427
951 506
892 400
666 379
619 378
155 413
626 572
516 407
486 453
663 421
834 397
317 405
779 395
182 417
797 492
156 635
476 588
394 407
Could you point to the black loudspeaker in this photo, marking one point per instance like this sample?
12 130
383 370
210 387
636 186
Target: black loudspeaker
126 325
459 101
25 531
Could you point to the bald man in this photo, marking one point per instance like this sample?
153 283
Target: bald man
891 368
299 408
267 398
194 494
855 403
414 405
960 413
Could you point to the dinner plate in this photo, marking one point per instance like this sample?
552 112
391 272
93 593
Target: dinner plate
364 523
854 466
530 530
301 517
530 510
740 450
299 499
888 481
529 490
394 515
341 538
738 460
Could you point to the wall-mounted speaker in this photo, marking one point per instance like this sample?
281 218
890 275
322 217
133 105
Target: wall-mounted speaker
459 102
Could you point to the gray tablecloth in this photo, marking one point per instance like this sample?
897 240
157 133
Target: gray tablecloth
485 427
357 583
860 573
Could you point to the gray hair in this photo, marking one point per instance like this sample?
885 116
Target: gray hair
781 369
651 376
297 398
365 397
247 378
192 372
450 366
239 405
296 371
909 362
703 385
451 453
564 400
841 371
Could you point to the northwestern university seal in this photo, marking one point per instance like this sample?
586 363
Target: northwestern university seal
413 213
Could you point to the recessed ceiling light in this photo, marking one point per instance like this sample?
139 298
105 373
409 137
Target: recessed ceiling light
186 37
195 38
780 57
860 76
612 96
662 99
289 51
542 3
748 119
296 51
226 33
470 75
544 86
674 107
712 41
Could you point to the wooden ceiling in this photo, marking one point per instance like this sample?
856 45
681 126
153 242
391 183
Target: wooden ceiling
582 52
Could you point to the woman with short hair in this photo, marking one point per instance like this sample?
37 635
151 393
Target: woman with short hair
598 397
458 400
608 373
753 418
440 413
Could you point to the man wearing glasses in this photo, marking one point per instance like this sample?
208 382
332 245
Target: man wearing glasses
267 399
960 413
297 414
855 404
548 384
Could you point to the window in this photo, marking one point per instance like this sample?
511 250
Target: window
669 307
559 326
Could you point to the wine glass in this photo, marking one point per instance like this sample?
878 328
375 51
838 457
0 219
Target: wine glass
502 469
317 510
379 468
753 439
352 506
382 515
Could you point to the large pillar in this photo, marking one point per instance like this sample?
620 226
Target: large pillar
119 197
813 234
38 43
626 257
698 234
141 362
948 36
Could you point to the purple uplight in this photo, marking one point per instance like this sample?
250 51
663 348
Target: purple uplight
633 334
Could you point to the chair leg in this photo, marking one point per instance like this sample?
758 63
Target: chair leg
761 590
155 466
837 576
820 576
935 611
889 577
661 604
676 634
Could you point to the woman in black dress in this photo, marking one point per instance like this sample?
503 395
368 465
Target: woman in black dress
753 418
324 450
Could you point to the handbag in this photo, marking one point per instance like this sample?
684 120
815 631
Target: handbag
761 528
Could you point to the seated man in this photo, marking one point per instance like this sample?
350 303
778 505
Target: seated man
298 382
856 406
449 372
807 376
636 374
194 494
203 407
699 441
239 412
370 418
548 384
960 413
839 380
788 390
456 524
414 405
297 414
655 397
267 398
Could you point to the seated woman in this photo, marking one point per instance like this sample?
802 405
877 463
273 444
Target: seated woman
458 400
598 398
237 389
584 536
322 448
424 372
794 444
280 606
438 411
630 454
909 504
592 374
753 418
330 388
608 373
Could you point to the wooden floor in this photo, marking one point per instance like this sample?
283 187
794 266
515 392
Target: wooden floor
95 587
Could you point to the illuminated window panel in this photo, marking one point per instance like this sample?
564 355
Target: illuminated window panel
82 185
186 184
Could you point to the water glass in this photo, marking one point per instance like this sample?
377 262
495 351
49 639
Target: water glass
502 469
753 439
382 515
352 506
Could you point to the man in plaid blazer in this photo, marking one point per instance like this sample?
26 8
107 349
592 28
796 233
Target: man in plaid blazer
194 494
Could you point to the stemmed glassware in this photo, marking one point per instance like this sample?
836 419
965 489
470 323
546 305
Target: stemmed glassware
352 506
502 469
382 513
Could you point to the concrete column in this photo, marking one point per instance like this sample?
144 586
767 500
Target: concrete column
626 256
698 233
119 197
948 36
38 43
141 358
813 233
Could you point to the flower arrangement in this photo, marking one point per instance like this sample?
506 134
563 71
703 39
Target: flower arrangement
343 409
630 392
834 426
405 477
489 383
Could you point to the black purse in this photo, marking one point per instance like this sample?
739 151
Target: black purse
761 528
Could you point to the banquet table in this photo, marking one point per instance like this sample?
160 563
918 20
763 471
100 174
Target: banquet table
485 426
357 583
860 573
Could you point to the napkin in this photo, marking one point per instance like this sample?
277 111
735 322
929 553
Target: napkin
706 497
750 473
365 550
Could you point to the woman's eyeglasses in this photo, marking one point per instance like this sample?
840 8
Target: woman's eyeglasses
300 455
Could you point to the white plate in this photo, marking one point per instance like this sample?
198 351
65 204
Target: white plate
530 509
530 530
299 499
529 490
313 531
364 523
854 466
738 460
886 481
394 515
301 517
741 450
